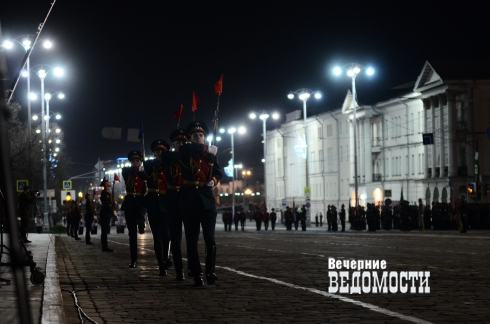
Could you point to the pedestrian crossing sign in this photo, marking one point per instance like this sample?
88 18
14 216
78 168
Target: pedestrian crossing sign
67 185
21 184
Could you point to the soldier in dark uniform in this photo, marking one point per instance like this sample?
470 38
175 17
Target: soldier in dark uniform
329 218
107 211
243 218
273 218
133 205
296 218
303 218
155 202
265 219
201 174
342 217
258 218
224 219
316 221
321 219
288 217
25 200
89 216
75 220
333 212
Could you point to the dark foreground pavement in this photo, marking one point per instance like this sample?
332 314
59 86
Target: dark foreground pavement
279 276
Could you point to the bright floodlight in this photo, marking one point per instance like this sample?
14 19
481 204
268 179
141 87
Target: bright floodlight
318 95
58 116
46 117
25 73
350 73
232 130
32 96
35 117
47 96
291 96
252 116
38 131
50 141
58 141
369 71
337 70
275 115
61 95
218 138
222 130
356 69
58 71
55 154
47 44
8 44
26 43
58 130
304 96
241 130
57 149
264 116
209 138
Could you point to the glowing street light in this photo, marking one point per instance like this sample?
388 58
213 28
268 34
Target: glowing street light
352 70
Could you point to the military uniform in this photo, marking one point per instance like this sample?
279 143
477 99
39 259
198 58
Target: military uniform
25 199
463 215
156 204
89 217
198 203
266 219
273 217
258 218
236 219
303 218
288 217
107 211
133 205
342 217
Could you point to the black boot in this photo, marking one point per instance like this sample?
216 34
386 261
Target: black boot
195 267
179 267
133 249
211 276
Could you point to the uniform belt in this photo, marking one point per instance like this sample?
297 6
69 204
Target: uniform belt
194 183
157 191
134 194
170 187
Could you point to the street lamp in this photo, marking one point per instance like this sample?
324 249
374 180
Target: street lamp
231 131
264 115
42 73
303 95
245 175
47 98
353 69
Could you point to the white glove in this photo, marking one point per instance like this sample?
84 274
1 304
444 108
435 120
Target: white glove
212 149
210 183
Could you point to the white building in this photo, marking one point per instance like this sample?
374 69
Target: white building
451 100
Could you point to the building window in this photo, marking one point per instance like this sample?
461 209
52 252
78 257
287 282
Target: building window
320 132
341 186
329 130
322 159
413 164
330 159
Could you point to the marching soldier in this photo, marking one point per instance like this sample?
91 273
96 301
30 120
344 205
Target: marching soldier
243 218
266 219
333 212
156 204
224 218
201 174
303 218
133 205
462 214
288 217
342 217
75 220
329 218
273 218
107 211
321 219
258 218
236 219
421 211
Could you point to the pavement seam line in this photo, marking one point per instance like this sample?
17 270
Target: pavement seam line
51 281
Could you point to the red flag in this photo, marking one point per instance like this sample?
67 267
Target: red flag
195 101
178 113
116 178
218 86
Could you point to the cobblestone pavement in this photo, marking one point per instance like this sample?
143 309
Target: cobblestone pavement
280 277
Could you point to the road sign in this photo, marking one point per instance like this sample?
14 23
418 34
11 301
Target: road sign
488 132
388 193
283 203
21 184
308 205
49 195
67 184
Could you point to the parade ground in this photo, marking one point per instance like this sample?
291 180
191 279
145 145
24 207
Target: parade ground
264 277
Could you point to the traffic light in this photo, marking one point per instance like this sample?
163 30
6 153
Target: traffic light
471 189
486 189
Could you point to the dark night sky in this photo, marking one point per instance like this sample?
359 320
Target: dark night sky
135 61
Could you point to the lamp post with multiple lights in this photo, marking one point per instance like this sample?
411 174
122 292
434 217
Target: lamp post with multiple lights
232 131
353 69
303 95
42 73
264 115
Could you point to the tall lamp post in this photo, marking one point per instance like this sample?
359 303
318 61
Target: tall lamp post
353 69
245 175
47 98
42 73
264 115
303 95
232 131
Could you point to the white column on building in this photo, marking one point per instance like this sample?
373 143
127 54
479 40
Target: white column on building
368 149
361 150
425 129
433 146
442 135
351 153
452 145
